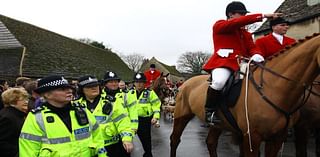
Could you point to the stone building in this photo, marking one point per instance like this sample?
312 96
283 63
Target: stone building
304 16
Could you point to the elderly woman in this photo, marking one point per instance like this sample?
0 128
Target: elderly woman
11 120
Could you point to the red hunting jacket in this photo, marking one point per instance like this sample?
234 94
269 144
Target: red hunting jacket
269 45
230 34
151 77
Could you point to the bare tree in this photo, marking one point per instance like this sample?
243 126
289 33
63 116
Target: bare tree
192 62
134 61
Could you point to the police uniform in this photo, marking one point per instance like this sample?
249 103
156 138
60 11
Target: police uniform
130 104
60 132
112 117
148 105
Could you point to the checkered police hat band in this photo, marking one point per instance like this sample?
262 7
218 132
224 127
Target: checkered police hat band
55 83
84 82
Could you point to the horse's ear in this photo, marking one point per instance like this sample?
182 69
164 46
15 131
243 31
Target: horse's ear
167 75
161 74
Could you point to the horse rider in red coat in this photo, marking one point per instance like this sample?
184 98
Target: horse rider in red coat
230 39
276 40
152 74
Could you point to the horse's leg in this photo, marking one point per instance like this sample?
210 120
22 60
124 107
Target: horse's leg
255 141
317 138
178 126
212 140
301 140
272 147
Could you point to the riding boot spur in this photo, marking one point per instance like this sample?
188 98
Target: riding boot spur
212 105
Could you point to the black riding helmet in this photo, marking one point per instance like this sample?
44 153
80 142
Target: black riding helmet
236 7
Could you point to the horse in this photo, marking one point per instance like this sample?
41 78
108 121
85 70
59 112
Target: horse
160 86
310 120
283 84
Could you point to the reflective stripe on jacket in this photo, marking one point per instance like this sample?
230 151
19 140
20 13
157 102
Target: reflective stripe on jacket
114 126
148 104
45 134
130 104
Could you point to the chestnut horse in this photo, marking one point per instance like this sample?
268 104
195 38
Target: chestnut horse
160 86
292 71
309 121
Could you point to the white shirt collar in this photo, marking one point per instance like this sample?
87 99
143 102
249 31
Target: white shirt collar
278 37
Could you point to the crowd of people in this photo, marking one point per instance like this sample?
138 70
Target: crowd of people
52 117
88 117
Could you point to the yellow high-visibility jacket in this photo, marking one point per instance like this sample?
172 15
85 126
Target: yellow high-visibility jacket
130 104
115 125
45 134
148 103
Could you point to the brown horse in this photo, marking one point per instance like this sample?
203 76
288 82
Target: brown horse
309 120
300 64
160 86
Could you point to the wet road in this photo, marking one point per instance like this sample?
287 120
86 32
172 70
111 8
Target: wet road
193 142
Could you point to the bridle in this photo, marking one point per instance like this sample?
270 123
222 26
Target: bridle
259 87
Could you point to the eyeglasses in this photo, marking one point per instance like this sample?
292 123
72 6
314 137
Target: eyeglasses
26 100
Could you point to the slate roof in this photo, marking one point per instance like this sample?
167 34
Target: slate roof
7 40
295 11
51 53
171 69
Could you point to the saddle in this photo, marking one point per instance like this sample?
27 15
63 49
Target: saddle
229 97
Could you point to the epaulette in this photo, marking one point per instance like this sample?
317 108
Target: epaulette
125 90
76 104
111 98
37 109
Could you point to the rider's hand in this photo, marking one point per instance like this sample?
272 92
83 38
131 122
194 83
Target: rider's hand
128 146
257 58
273 15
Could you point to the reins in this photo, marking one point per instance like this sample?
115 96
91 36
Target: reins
259 88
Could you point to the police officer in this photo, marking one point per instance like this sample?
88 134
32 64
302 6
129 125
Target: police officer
59 127
110 114
148 111
111 87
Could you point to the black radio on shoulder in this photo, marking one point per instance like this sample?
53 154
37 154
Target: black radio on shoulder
107 107
81 116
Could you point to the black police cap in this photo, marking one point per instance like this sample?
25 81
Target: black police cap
109 75
139 77
52 82
88 81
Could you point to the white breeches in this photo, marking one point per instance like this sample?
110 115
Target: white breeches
219 78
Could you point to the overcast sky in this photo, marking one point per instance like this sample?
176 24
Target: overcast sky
161 28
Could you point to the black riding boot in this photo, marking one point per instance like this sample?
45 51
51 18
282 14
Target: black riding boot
211 106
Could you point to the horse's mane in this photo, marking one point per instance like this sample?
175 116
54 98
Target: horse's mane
289 47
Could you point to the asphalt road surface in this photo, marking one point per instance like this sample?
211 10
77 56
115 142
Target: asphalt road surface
193 142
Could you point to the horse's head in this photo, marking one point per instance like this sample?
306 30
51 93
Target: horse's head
160 86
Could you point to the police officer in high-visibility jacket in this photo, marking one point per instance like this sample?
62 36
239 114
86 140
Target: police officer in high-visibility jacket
110 114
129 104
58 127
111 87
148 111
